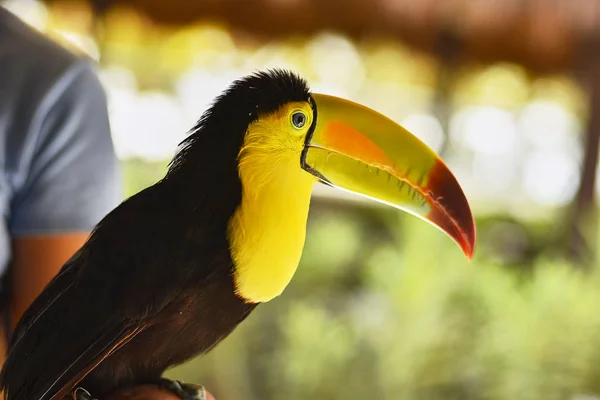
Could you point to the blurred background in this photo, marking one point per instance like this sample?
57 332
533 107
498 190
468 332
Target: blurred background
384 306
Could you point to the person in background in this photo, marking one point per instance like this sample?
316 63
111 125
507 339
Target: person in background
59 174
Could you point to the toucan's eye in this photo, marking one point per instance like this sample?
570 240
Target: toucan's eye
298 119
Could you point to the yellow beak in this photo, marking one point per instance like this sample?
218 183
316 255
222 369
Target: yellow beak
356 149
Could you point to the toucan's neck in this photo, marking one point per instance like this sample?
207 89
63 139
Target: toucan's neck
268 229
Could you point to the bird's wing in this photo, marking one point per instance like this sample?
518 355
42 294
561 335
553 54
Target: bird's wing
37 365
131 268
106 345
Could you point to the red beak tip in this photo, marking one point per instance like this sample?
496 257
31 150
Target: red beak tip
468 245
469 253
467 249
453 215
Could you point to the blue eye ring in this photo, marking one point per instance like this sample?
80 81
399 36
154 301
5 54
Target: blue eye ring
299 119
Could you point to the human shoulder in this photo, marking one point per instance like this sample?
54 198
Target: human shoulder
34 62
59 153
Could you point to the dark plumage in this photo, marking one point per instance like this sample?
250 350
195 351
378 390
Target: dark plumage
154 279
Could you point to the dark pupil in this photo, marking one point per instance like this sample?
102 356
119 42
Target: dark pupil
298 120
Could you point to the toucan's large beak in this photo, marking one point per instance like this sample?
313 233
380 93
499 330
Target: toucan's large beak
359 150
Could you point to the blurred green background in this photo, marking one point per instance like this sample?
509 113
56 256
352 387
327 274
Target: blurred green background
384 306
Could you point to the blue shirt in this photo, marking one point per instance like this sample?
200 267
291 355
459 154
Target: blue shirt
58 169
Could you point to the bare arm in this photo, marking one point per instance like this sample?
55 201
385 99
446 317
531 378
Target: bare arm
36 259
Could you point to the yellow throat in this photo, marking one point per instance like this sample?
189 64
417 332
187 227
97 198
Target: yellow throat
267 231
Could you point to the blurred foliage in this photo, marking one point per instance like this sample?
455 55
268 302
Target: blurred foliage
384 306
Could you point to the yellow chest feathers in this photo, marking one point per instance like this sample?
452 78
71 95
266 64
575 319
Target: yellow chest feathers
267 231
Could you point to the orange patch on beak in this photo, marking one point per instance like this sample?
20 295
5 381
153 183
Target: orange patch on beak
347 140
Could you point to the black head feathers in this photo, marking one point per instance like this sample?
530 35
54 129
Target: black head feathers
266 91
222 127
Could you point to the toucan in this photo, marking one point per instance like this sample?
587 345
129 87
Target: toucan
173 269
